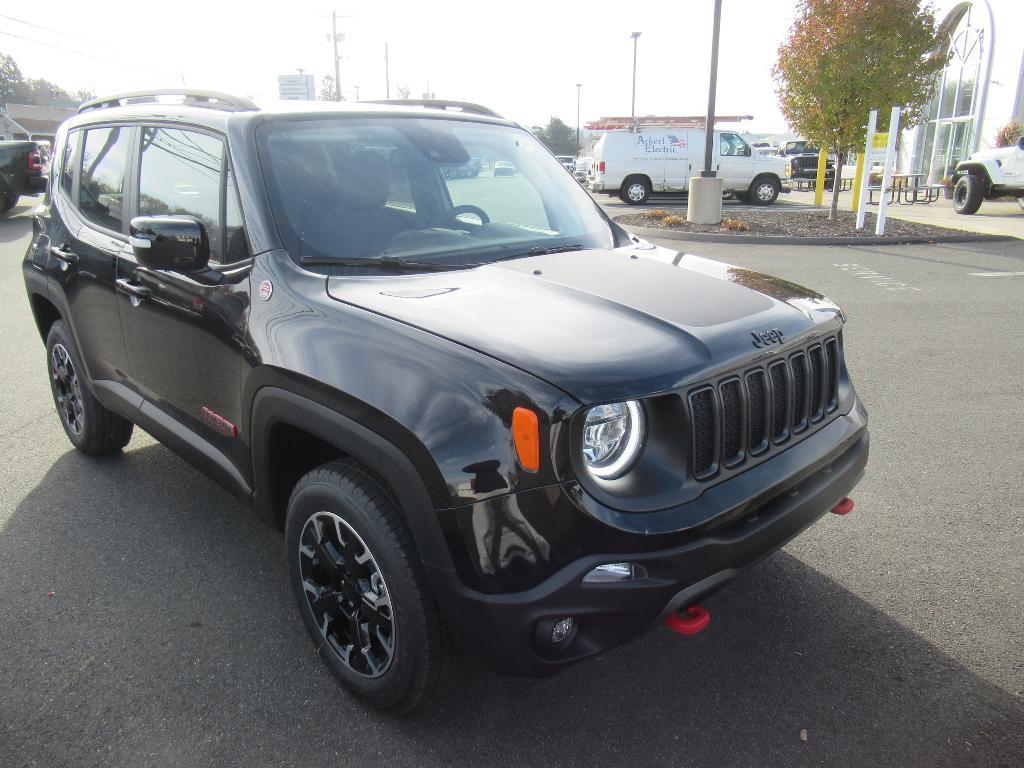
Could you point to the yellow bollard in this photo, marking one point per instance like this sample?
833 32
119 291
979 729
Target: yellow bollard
819 183
857 177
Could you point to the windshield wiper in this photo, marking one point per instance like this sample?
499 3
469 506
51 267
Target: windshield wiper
394 263
540 250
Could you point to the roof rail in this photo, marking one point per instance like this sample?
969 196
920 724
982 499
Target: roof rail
194 98
453 106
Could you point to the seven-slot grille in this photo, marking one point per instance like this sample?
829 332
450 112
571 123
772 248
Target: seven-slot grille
744 415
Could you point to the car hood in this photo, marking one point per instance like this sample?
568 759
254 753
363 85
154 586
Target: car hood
602 325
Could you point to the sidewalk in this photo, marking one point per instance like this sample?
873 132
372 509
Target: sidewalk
993 218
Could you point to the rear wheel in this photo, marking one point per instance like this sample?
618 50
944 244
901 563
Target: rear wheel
635 191
969 193
362 590
7 202
90 427
764 191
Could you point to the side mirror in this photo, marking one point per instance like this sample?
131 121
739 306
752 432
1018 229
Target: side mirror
1020 143
177 243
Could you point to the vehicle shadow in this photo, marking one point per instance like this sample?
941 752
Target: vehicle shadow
17 223
172 639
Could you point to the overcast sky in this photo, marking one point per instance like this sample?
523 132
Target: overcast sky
521 58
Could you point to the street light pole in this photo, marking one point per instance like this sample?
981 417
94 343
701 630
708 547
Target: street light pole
337 66
632 109
709 125
578 86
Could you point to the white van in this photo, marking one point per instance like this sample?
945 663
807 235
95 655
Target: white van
633 164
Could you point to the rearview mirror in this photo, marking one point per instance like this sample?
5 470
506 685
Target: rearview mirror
177 243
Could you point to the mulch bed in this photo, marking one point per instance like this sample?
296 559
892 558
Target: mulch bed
786 223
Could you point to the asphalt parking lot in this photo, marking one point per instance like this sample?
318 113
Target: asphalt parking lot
891 637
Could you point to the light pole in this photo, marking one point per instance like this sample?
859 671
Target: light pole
578 86
632 109
337 66
704 203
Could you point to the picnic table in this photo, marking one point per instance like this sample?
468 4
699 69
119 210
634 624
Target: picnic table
907 189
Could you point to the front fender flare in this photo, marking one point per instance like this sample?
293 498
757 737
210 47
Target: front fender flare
272 406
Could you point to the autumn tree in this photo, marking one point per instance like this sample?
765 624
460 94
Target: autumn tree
843 58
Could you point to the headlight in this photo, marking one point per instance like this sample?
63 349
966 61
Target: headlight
613 435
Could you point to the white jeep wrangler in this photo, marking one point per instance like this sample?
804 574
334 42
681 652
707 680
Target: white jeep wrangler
987 175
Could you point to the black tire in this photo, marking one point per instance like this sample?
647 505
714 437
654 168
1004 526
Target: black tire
402 666
968 194
743 197
7 202
90 427
635 190
764 190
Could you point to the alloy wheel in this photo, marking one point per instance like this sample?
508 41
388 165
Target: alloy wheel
347 595
765 191
68 389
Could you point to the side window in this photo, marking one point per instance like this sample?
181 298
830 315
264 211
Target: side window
731 145
104 157
235 247
67 165
180 174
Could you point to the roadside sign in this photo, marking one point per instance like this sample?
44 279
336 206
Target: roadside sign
296 88
879 144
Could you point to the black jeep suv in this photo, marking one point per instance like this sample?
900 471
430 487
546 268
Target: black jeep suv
484 416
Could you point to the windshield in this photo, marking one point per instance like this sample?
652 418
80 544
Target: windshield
420 190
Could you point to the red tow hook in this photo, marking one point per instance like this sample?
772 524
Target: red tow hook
693 620
844 507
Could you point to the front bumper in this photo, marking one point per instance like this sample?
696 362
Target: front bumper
508 631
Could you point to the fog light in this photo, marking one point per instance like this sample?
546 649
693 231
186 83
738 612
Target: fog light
563 628
613 572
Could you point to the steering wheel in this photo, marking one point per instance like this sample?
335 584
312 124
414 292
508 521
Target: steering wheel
458 210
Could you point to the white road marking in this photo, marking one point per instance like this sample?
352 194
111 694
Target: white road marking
996 274
879 280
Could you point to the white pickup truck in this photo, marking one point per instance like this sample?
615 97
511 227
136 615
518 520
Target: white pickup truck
635 164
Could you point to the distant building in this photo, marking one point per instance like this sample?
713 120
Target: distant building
980 90
27 121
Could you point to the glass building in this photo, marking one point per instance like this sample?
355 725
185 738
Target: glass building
980 89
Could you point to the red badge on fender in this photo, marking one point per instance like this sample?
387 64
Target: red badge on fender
266 288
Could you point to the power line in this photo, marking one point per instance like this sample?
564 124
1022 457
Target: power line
46 29
84 53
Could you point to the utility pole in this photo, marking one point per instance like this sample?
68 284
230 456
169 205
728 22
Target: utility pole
632 109
387 74
578 86
337 67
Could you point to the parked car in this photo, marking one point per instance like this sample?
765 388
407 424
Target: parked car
504 168
482 415
802 161
21 172
636 164
989 174
567 160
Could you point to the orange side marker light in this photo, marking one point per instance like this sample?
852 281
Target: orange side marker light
526 436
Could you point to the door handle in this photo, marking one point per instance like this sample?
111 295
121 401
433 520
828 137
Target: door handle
63 255
137 293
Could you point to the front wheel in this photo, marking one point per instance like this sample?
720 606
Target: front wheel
764 191
635 191
90 427
968 194
362 590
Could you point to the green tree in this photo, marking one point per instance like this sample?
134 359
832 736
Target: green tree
11 79
558 137
843 58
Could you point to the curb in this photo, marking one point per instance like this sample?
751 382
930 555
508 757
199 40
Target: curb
707 237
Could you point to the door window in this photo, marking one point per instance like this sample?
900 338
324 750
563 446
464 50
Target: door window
67 166
731 145
104 157
180 174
